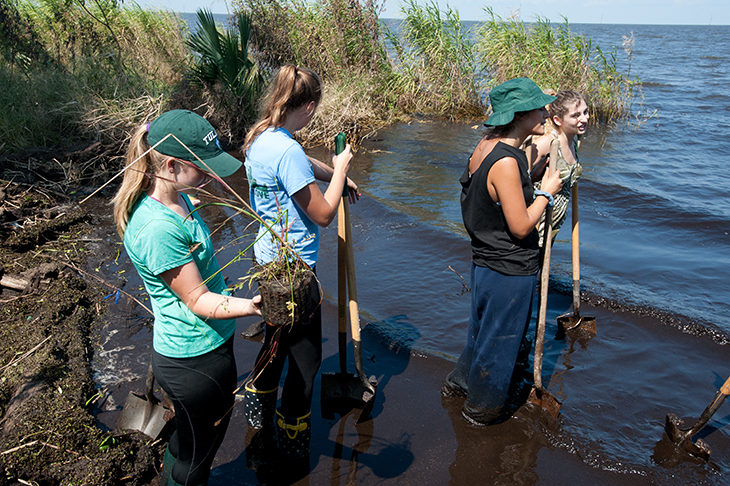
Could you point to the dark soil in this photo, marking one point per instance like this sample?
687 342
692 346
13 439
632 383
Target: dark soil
48 434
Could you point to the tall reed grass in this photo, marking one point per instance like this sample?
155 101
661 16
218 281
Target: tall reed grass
435 66
554 57
72 69
340 40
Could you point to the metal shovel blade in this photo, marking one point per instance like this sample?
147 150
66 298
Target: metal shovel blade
682 437
341 392
542 398
142 415
568 322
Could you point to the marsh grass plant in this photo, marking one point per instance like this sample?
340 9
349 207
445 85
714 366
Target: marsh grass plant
556 58
435 69
83 70
341 40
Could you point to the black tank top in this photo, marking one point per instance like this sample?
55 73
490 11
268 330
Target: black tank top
492 244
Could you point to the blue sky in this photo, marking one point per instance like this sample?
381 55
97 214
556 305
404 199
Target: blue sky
702 12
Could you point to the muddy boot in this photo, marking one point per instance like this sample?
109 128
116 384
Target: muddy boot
452 389
167 462
479 417
259 406
293 435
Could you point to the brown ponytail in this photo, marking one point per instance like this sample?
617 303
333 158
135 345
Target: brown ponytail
565 101
136 177
292 88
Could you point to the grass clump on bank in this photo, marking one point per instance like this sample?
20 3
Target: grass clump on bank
435 68
341 41
555 58
71 70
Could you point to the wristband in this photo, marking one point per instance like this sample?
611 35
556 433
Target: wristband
549 196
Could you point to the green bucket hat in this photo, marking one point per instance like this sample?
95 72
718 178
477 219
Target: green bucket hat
515 95
198 135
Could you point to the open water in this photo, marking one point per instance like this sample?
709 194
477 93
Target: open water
655 257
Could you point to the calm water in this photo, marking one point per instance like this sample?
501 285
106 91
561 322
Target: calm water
654 226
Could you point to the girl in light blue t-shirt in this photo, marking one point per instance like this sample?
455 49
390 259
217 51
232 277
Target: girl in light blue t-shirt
283 191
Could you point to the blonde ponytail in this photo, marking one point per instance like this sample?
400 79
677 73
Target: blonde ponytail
292 88
139 168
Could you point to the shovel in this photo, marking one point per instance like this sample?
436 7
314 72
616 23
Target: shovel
343 387
143 413
539 396
567 322
682 437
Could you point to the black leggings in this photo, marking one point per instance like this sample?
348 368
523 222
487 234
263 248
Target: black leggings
302 344
201 389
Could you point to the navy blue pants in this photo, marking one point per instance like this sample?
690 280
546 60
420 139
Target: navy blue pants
500 313
201 389
301 344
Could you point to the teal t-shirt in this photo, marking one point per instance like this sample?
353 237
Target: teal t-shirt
158 239
277 168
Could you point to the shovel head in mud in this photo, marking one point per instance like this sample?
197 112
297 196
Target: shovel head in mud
141 414
341 392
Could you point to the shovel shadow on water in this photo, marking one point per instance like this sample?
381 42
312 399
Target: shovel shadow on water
386 348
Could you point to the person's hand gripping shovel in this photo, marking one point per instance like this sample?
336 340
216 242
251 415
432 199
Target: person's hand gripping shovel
343 389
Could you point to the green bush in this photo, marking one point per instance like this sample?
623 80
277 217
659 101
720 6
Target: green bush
70 70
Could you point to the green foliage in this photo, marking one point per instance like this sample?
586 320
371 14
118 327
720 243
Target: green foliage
435 63
69 69
341 41
223 58
554 58
334 38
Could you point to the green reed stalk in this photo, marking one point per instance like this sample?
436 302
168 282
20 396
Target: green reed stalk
555 58
435 63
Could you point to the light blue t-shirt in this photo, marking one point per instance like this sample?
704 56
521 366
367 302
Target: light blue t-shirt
158 239
277 168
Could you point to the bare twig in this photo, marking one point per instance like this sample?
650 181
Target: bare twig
16 361
465 288
71 265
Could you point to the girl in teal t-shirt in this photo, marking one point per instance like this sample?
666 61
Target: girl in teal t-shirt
170 246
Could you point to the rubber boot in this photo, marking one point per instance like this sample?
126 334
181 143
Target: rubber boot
167 462
479 417
294 435
259 406
452 389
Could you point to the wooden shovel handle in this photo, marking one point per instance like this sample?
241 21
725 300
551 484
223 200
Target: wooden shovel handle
342 285
575 240
351 281
342 223
547 243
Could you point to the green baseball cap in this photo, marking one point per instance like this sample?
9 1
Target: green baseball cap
198 135
515 95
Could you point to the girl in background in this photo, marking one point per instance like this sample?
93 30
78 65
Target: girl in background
282 180
568 120
170 247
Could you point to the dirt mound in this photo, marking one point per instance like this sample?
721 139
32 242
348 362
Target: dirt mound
48 433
